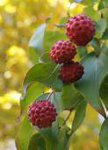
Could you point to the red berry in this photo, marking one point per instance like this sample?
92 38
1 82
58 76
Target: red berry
42 114
80 29
63 52
71 72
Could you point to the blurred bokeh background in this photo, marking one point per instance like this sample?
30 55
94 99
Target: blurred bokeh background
18 20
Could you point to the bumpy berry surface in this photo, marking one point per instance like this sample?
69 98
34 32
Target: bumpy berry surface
71 72
80 29
42 114
63 52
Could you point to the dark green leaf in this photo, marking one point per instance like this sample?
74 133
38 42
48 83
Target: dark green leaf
95 69
105 35
46 73
104 91
31 93
37 142
70 97
62 140
50 136
55 139
79 116
37 39
25 132
101 5
51 38
82 51
100 28
95 43
39 72
104 136
56 99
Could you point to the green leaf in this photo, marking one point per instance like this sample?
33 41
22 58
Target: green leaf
62 140
70 97
89 2
104 4
104 136
101 5
105 14
31 93
45 58
46 73
51 38
34 57
79 116
37 142
63 20
55 138
95 69
50 136
82 51
100 28
43 96
37 39
39 72
89 11
105 35
25 132
56 99
104 91
95 43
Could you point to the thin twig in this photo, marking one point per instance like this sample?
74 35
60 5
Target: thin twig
49 95
100 111
60 25
66 118
68 11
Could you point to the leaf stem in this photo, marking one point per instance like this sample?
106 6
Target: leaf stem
100 111
68 11
97 47
66 119
50 95
60 25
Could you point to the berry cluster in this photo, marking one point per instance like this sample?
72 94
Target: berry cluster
80 30
71 72
63 52
42 114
